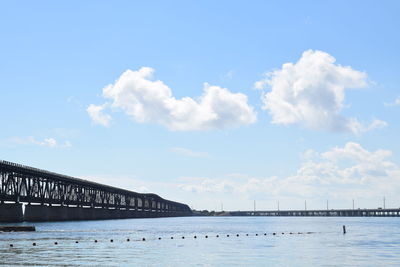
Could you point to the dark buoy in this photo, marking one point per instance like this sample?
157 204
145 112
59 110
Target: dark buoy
76 242
34 244
195 237
265 233
143 239
183 237
206 236
128 240
247 234
237 234
274 233
344 229
11 245
172 237
111 240
291 233
159 238
217 235
55 243
95 241
256 234
227 235
283 233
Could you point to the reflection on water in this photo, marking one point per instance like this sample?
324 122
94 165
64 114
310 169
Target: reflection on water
369 242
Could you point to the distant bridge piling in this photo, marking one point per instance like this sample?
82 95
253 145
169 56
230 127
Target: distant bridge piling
323 213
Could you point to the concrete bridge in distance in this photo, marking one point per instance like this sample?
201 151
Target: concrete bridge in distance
323 213
50 196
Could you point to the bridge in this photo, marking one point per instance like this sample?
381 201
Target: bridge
50 196
333 212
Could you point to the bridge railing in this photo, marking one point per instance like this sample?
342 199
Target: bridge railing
20 183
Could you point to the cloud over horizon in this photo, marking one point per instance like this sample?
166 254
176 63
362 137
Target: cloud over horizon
348 171
149 101
311 93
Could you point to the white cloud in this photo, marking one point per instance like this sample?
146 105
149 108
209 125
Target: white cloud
50 142
96 114
376 124
351 164
189 152
228 76
339 173
311 93
67 144
146 100
356 127
396 102
47 142
202 185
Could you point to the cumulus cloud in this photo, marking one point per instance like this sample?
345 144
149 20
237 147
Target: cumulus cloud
97 115
47 142
339 172
396 102
152 101
351 164
356 127
311 93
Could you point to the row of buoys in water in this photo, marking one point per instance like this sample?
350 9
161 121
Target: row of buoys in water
195 237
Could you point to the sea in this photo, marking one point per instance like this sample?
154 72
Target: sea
207 241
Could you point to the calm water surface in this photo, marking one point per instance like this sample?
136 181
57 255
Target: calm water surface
369 242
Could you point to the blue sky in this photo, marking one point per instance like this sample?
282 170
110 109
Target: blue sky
322 127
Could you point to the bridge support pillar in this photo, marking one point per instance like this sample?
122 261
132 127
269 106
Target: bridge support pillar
36 213
57 213
79 213
86 213
114 214
11 212
131 214
123 214
98 213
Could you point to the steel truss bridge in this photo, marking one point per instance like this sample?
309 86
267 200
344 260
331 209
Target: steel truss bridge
51 196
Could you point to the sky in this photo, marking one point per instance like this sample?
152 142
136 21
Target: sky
217 104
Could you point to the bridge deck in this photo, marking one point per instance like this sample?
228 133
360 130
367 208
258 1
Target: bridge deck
56 193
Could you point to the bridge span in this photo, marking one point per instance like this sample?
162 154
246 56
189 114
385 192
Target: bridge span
333 213
49 196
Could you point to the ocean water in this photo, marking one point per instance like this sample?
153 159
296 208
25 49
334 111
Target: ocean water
315 241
